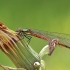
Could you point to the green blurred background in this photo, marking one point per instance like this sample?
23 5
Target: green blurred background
47 15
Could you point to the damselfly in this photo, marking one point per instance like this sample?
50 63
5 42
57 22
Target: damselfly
52 37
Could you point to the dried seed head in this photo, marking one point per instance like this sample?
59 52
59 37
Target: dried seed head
22 55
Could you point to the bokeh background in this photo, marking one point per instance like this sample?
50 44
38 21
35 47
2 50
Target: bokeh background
47 15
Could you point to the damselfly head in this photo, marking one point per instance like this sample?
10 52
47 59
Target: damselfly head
27 31
24 31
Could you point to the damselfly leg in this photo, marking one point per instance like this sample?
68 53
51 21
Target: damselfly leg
23 34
